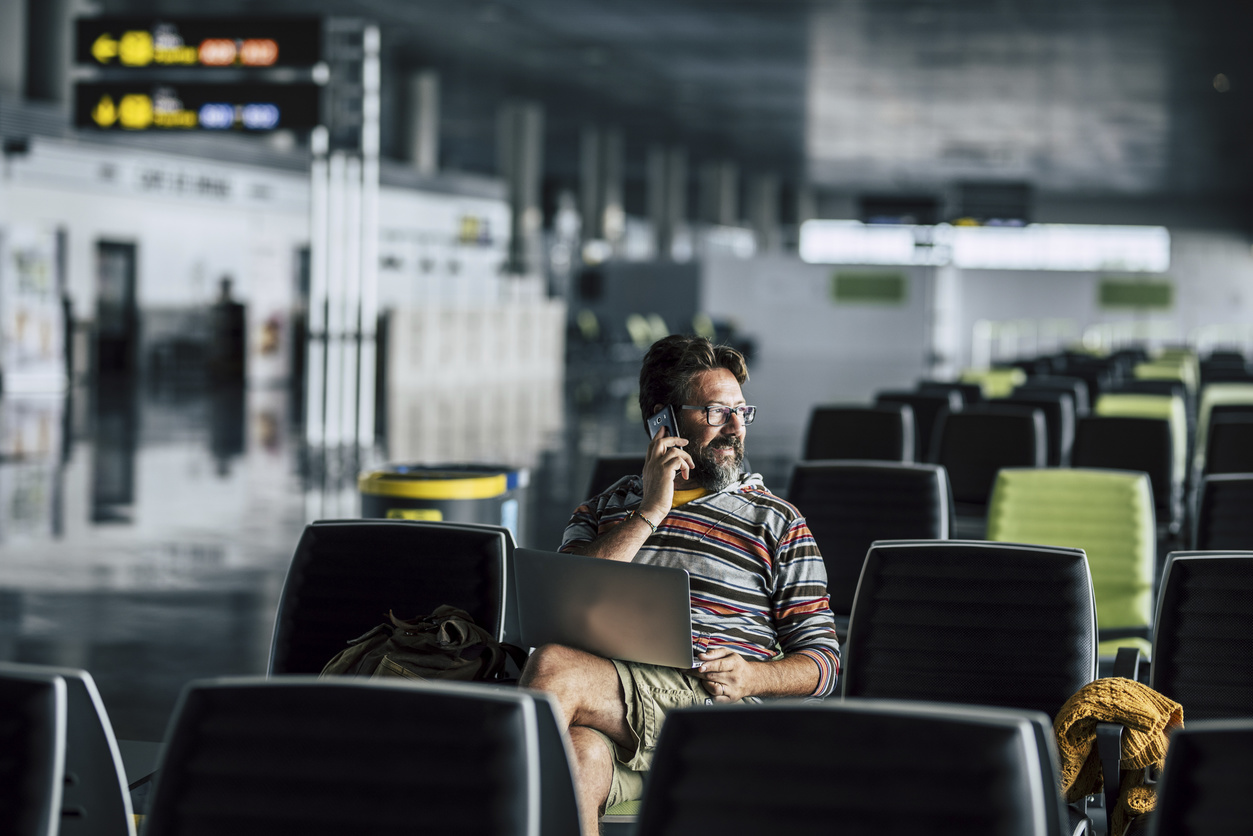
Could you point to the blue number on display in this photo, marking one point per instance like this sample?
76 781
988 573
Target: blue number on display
217 117
261 117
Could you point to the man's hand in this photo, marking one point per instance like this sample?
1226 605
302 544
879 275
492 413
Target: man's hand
664 460
725 674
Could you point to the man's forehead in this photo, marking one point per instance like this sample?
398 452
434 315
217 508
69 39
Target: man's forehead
717 386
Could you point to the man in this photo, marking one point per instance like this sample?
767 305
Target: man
760 613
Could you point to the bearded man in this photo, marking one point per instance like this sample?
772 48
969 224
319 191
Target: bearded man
761 622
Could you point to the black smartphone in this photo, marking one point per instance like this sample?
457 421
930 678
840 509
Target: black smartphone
663 417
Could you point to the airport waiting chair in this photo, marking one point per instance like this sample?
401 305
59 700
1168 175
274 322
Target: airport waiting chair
346 575
850 504
1143 444
1168 387
1059 420
1185 370
1073 386
1201 640
328 756
971 393
1206 783
927 408
1216 394
32 752
1224 515
995 382
1229 444
1163 407
95 797
976 443
612 467
1106 513
883 432
858 768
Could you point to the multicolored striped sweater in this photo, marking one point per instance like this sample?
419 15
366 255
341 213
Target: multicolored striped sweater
758 582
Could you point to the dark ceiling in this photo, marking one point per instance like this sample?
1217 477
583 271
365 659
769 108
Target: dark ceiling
1083 97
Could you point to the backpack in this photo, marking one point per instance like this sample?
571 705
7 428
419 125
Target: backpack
446 644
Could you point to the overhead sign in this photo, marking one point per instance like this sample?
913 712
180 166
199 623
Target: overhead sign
240 42
147 106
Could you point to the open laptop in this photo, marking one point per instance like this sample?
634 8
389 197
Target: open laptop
618 610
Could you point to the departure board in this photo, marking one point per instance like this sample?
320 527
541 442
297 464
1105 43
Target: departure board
239 42
249 107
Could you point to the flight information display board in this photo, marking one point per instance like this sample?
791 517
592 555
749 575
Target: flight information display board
250 107
240 42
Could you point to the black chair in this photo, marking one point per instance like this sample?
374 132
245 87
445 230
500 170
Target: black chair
850 504
1201 641
1229 443
1142 444
32 752
1073 386
347 574
1206 784
1224 519
95 797
971 393
928 408
1168 387
884 432
612 467
975 443
331 756
855 768
1059 420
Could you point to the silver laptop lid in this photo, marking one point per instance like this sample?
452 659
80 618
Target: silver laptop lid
617 610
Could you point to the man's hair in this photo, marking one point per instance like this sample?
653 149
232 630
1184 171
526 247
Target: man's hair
672 362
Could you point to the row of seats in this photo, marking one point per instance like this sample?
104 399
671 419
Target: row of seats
969 623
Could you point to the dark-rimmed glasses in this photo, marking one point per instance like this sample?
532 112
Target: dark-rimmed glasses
716 416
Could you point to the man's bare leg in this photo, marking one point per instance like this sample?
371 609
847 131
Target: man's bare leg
589 694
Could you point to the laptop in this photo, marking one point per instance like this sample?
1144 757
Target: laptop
617 610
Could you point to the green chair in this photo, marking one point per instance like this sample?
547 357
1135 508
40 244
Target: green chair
1183 370
1170 408
1216 394
996 383
1108 514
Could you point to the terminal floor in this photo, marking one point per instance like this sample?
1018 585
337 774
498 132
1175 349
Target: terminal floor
145 530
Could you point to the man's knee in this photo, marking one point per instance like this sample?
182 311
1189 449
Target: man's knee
552 667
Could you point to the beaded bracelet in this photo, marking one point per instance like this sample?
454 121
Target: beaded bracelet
646 520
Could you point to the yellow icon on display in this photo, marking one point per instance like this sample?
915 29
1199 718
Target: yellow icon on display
136 49
104 49
135 111
104 113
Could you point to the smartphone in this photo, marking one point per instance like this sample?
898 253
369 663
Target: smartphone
664 417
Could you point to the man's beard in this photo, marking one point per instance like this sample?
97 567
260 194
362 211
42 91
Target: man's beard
713 472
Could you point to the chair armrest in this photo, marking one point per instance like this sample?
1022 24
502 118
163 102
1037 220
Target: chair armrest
1127 663
1109 747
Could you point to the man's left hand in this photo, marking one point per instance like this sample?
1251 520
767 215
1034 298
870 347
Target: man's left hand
725 674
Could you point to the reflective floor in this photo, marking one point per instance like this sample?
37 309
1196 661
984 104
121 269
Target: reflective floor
145 529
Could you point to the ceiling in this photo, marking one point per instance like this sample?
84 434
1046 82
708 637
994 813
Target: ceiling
1080 97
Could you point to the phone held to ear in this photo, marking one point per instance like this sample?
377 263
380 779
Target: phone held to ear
663 417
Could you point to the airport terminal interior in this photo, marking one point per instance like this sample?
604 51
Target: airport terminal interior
257 256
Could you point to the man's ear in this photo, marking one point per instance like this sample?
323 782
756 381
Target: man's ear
656 409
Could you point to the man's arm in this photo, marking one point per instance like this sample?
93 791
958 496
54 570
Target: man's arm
664 461
728 676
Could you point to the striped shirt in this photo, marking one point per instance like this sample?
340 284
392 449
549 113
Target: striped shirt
758 582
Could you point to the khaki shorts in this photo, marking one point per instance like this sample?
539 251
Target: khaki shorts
650 691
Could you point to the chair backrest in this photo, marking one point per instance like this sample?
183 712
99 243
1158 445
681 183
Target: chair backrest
1059 420
853 767
971 621
1201 640
995 383
977 442
1224 516
1230 443
612 467
1215 394
972 393
307 755
1185 370
1144 444
1206 783
850 504
884 432
95 799
1107 513
347 574
927 407
1076 387
1166 407
32 751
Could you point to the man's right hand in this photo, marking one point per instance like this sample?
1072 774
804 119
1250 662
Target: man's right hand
665 461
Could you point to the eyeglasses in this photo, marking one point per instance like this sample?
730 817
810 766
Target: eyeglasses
716 416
